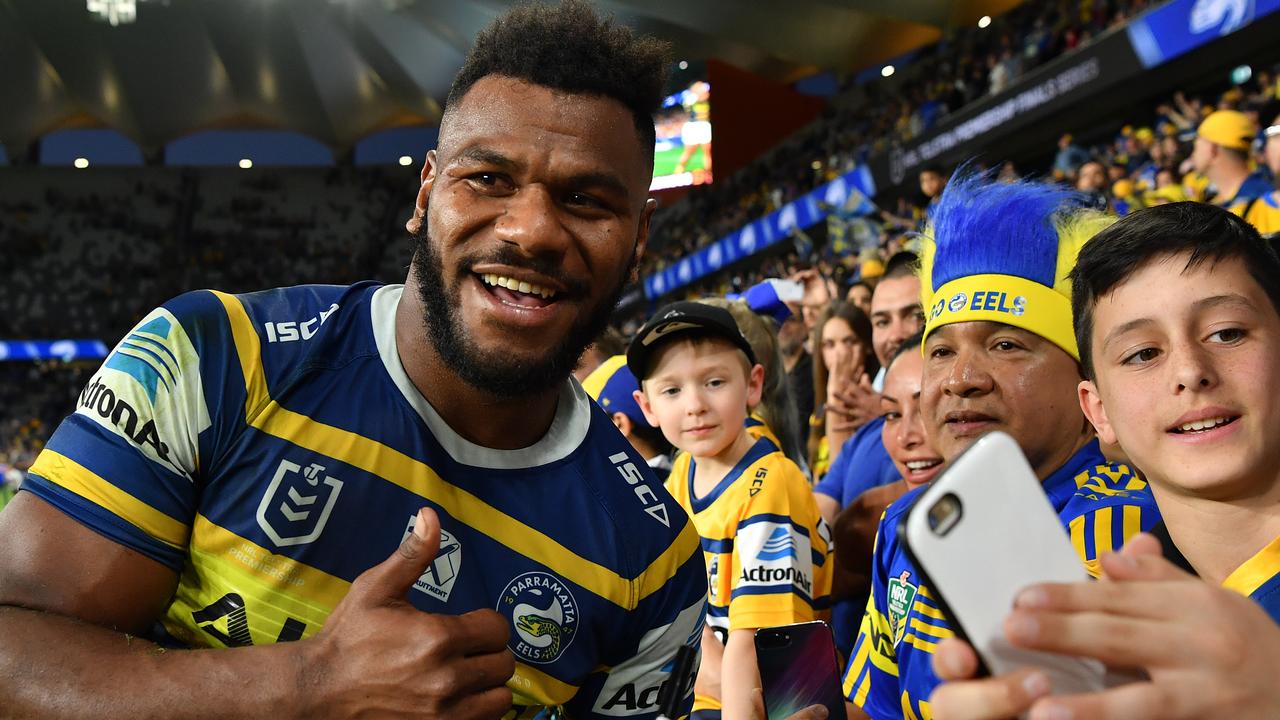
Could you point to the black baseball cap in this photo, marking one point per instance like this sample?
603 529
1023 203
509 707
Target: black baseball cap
682 318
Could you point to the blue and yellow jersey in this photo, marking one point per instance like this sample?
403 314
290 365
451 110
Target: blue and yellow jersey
757 428
269 448
890 673
1259 579
1263 213
767 550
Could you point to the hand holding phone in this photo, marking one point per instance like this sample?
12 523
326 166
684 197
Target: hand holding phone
982 532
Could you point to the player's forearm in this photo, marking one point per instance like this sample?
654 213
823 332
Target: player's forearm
53 667
739 676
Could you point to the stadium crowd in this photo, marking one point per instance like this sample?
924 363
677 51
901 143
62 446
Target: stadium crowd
789 405
868 118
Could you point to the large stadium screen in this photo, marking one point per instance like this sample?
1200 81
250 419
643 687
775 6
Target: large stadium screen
682 155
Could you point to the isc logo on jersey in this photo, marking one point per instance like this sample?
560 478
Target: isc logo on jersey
153 374
779 555
648 498
283 332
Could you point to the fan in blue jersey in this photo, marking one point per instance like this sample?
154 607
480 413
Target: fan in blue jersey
1178 319
243 468
999 354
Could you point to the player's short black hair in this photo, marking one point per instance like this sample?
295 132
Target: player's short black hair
902 264
933 168
1209 233
569 47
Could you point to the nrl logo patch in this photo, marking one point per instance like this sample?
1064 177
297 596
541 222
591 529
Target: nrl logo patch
902 594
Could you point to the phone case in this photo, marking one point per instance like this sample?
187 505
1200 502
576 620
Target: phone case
798 668
1007 537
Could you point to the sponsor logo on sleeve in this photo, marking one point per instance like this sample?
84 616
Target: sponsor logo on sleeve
779 555
149 391
633 687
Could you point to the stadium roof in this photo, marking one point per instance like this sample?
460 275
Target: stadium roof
339 70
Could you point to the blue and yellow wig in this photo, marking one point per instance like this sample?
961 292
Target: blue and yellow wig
1002 252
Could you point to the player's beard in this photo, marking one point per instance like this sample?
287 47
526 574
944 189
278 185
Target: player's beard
494 371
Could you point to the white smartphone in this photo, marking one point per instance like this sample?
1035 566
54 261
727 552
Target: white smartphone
982 532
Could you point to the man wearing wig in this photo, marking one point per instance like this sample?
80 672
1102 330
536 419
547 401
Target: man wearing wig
999 355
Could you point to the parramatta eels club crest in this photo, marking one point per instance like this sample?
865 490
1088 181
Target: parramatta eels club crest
543 614
901 596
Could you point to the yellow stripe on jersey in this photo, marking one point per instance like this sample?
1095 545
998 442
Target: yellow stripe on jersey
1076 527
1255 571
926 712
249 350
71 475
940 633
1102 532
855 669
663 569
417 477
531 686
1077 531
264 566
1132 520
222 562
928 611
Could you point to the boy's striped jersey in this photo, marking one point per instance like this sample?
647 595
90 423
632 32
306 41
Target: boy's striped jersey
890 674
269 448
1259 578
767 549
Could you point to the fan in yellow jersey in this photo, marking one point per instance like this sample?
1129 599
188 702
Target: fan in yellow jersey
1263 213
767 549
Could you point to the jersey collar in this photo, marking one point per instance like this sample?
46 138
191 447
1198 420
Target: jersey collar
1061 486
567 432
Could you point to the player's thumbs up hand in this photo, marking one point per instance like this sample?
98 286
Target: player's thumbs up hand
391 580
379 657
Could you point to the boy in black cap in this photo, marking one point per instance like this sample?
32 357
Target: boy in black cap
768 552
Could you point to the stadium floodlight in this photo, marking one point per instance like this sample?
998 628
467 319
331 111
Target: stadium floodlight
984 21
684 64
245 163
886 71
81 163
116 12
406 160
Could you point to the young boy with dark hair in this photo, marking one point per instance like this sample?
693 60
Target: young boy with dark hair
767 550
1177 320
